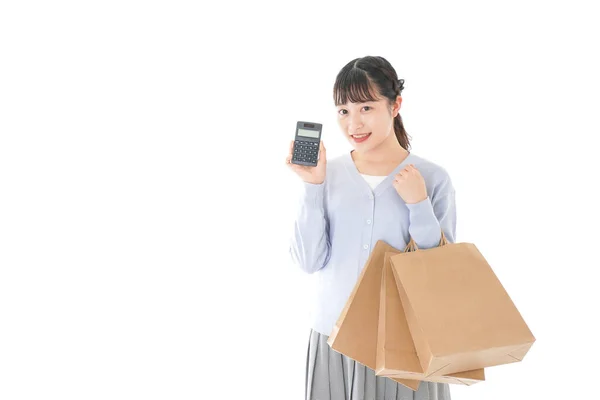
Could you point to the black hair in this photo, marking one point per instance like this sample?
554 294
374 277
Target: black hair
367 79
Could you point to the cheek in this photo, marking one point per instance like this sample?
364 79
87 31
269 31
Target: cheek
383 125
375 120
377 126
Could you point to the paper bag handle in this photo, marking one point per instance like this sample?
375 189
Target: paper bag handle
412 246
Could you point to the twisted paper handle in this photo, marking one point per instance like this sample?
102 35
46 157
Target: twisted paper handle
412 246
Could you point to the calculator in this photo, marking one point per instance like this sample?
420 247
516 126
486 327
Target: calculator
306 143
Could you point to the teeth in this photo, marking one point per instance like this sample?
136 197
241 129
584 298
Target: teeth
360 136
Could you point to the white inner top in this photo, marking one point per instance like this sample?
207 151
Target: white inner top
374 180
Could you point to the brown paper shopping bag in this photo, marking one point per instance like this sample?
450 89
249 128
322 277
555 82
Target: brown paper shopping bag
396 353
459 315
355 332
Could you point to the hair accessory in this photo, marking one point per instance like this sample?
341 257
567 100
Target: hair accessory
400 85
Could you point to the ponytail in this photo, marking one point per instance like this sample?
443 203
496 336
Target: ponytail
401 134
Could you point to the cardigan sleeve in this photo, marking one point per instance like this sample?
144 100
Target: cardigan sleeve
310 247
434 214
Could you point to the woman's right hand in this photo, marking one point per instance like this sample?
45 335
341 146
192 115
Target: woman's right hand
308 174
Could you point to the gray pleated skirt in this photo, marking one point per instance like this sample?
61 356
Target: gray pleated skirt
331 375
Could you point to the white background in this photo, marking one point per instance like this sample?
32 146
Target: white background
145 206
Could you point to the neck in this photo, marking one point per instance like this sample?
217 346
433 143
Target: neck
389 151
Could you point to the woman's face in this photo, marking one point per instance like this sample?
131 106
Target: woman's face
373 118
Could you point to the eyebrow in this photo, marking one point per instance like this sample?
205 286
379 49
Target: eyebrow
361 102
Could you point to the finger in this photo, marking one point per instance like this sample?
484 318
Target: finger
322 151
289 163
291 147
294 167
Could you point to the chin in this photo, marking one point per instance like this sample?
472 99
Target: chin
368 144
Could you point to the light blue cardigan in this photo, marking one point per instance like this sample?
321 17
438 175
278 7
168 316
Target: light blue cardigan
339 221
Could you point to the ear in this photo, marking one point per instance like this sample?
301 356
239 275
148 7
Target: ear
397 105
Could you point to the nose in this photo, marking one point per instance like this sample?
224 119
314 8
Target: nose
355 125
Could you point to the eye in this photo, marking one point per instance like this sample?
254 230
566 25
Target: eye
340 111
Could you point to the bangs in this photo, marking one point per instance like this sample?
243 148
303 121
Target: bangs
353 86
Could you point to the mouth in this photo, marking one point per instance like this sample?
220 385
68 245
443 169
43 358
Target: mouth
361 137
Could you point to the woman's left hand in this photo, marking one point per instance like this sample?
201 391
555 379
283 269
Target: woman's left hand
410 185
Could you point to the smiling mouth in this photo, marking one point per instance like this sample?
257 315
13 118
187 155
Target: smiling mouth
361 135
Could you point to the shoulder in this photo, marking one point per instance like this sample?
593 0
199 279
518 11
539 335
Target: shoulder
337 160
336 164
436 176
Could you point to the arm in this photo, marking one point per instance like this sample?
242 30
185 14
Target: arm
309 245
430 216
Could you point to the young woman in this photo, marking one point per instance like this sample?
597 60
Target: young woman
378 190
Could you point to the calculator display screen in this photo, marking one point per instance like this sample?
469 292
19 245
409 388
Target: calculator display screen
308 133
